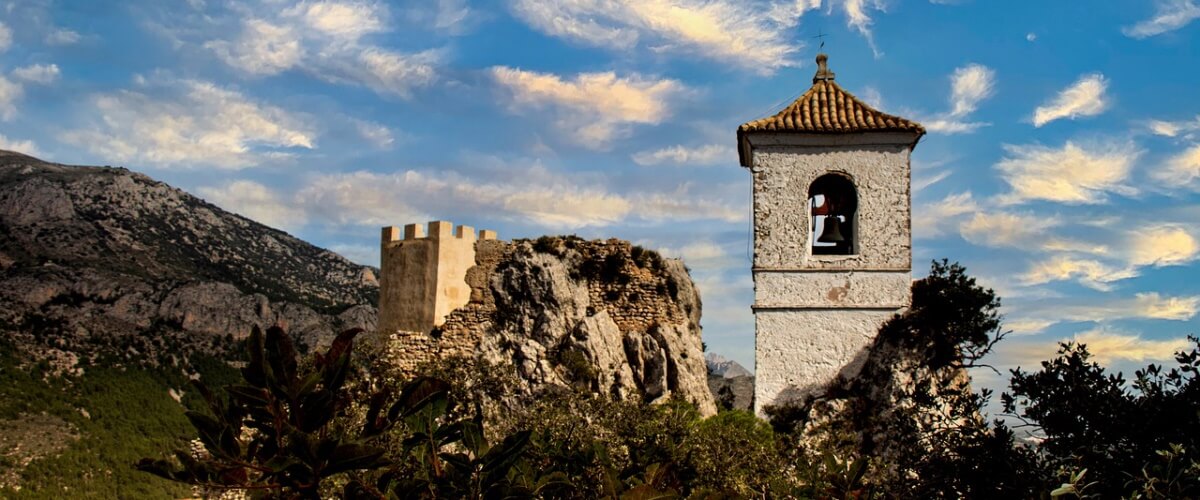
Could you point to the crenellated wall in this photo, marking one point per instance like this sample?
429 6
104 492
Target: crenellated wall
423 276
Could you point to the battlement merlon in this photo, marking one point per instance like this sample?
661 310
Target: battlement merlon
437 230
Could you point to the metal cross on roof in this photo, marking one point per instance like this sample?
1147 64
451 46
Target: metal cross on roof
821 36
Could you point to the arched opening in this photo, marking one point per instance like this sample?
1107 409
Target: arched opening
833 201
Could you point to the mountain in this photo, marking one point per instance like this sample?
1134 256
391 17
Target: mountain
131 288
724 367
88 252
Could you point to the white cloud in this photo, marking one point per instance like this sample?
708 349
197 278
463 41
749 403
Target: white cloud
682 205
367 255
10 93
384 71
325 39
1169 16
375 133
950 127
1074 174
345 20
1150 305
857 18
1027 326
5 37
61 36
535 195
595 108
26 146
1105 344
1164 128
1085 97
1182 170
38 73
1173 129
193 123
254 201
708 154
1163 246
999 229
741 33
1089 272
932 220
969 85
872 97
262 48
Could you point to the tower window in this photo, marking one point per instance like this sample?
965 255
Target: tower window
833 201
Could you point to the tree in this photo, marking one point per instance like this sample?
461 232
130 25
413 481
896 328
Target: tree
286 433
1131 438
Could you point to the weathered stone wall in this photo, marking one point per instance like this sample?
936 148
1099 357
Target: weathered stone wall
799 351
782 217
600 315
423 278
815 313
834 289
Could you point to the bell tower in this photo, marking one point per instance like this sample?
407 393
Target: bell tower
832 235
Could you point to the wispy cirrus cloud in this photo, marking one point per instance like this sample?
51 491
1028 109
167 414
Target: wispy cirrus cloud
707 154
1085 97
1089 272
969 85
188 123
1181 170
37 73
1105 344
1169 15
594 108
20 146
745 34
541 197
1072 174
936 219
255 201
326 39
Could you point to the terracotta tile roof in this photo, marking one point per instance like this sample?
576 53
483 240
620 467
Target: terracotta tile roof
827 108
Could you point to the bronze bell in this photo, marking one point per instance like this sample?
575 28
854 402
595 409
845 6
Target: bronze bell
832 233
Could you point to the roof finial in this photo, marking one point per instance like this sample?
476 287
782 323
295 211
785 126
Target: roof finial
823 73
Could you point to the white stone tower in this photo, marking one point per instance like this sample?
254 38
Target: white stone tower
832 239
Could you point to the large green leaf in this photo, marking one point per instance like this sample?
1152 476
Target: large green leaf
353 456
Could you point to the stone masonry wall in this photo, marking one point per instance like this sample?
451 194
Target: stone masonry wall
814 314
630 317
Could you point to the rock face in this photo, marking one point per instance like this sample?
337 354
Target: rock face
603 316
92 258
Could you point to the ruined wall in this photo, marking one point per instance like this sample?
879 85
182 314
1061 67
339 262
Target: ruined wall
814 314
423 278
599 315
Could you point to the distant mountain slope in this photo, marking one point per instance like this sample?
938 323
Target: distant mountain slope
117 220
724 367
133 287
93 254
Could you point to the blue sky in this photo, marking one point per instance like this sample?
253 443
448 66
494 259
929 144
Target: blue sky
1061 167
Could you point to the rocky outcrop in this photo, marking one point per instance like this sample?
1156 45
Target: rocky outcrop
98 261
602 316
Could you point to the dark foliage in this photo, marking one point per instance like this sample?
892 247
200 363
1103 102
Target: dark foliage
1124 435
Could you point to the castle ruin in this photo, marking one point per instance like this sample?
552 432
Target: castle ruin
423 276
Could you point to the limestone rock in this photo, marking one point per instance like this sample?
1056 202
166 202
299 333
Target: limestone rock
603 316
102 262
